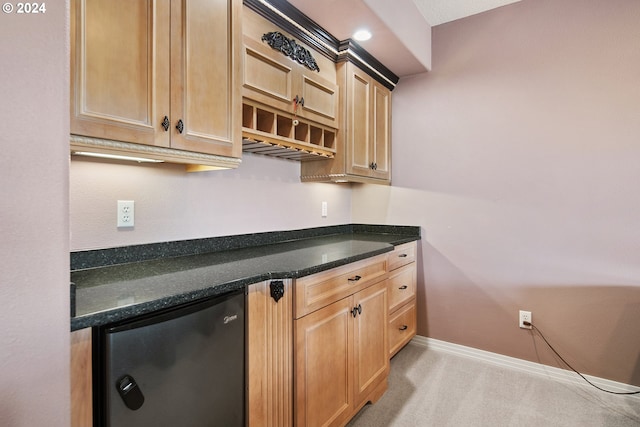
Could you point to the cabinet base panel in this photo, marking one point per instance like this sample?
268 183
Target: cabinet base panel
372 398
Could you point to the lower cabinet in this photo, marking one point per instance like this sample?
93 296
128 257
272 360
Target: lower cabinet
341 357
318 348
269 354
81 379
370 361
402 327
402 296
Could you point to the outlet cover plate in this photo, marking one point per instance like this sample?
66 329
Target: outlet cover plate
525 316
126 213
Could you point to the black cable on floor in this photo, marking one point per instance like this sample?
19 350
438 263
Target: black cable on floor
571 367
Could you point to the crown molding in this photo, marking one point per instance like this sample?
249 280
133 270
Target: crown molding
290 19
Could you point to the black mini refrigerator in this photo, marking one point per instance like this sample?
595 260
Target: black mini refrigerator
182 367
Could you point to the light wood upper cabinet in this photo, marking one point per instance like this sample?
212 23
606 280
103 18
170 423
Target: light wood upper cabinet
276 80
364 143
206 75
120 69
133 63
290 94
367 125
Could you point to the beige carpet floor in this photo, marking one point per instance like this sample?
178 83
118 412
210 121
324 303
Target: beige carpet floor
437 389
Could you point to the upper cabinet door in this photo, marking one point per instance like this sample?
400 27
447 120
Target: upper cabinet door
368 126
206 73
381 127
320 99
120 70
279 67
358 125
267 78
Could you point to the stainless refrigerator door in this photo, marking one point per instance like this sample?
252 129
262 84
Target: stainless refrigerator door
184 368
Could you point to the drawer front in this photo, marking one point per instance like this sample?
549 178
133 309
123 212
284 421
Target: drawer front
402 327
324 288
402 255
402 286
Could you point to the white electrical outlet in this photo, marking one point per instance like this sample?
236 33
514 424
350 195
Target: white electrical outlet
324 209
126 213
525 316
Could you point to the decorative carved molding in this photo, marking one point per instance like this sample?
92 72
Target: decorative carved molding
290 48
293 21
277 289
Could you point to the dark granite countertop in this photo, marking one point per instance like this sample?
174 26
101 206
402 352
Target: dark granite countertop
121 283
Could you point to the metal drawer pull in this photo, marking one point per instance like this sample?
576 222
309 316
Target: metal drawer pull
354 278
180 126
403 287
402 256
403 327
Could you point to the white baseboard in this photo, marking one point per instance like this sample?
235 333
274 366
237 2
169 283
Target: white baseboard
522 365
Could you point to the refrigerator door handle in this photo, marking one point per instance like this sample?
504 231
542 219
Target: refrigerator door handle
130 392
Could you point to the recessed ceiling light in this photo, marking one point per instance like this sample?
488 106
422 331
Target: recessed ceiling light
362 35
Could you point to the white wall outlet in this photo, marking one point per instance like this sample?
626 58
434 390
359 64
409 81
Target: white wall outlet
324 209
126 213
525 316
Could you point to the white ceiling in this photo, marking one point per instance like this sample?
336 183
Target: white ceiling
397 46
438 12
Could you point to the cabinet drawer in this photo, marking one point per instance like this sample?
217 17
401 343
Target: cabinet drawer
402 327
402 255
402 286
321 289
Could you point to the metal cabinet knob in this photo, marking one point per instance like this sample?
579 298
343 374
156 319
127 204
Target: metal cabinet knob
356 310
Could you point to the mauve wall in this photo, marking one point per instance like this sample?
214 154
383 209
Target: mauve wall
263 194
34 232
519 155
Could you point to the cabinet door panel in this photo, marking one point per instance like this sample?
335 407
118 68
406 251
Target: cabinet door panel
320 100
381 141
323 349
205 63
358 124
265 79
120 70
371 361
